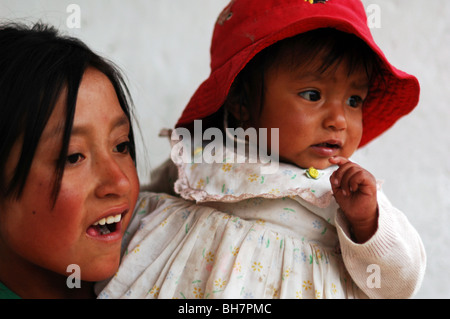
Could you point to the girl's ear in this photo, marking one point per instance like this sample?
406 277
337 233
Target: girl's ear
239 112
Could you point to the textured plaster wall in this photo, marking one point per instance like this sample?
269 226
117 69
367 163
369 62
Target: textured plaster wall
163 47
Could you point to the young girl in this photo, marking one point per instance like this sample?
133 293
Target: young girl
68 182
319 227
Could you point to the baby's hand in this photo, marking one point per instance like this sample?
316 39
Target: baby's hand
355 191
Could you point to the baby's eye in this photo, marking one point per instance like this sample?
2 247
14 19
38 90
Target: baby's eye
74 158
123 148
355 101
311 95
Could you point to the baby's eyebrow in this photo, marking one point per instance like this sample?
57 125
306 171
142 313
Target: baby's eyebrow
308 76
362 84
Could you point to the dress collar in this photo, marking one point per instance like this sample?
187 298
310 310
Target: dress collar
232 181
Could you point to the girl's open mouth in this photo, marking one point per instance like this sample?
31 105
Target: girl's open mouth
106 226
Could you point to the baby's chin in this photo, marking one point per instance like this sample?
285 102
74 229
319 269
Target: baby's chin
320 164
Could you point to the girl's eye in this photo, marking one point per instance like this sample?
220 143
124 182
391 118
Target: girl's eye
74 158
355 101
311 95
123 148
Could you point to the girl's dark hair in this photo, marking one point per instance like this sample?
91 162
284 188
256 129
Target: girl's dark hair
333 46
37 65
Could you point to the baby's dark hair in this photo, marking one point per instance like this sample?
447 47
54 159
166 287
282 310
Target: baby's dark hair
333 46
38 65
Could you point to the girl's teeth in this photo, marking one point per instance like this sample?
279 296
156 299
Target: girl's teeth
109 220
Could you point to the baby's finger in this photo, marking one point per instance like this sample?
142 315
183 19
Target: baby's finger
337 175
338 160
355 181
349 180
363 182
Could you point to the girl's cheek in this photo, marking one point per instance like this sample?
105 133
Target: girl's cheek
70 210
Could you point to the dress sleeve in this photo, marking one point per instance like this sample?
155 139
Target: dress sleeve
391 264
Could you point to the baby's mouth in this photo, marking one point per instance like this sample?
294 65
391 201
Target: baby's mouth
335 145
327 148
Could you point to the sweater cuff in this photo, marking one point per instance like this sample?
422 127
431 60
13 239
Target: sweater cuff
379 245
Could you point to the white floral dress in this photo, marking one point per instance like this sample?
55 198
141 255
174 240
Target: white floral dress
241 234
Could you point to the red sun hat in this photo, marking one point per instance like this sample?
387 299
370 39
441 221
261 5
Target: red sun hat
245 27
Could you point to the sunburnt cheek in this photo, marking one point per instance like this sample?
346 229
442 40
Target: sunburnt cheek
69 213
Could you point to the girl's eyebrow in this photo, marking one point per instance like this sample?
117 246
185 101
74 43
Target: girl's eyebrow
53 133
56 132
118 122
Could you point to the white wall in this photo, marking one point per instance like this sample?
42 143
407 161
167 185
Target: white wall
163 47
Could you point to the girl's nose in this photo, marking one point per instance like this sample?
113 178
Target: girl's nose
335 118
112 180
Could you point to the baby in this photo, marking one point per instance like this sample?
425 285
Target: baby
318 227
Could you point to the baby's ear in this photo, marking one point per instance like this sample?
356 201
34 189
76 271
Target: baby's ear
239 112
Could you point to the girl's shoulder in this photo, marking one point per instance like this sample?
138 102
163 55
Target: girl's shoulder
6 293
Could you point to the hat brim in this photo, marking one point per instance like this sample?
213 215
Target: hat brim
393 95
